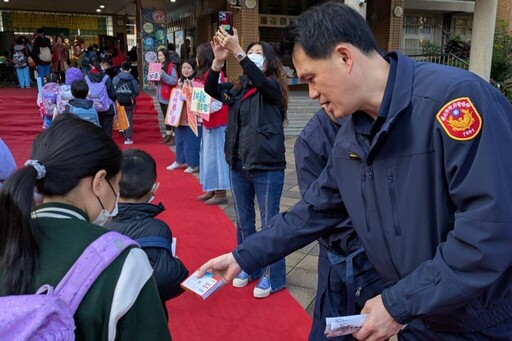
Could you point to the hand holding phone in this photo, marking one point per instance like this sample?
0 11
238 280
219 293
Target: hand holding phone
225 20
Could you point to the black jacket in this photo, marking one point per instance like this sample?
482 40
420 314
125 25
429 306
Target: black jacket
255 121
137 221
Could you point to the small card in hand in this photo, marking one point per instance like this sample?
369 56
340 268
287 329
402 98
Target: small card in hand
204 286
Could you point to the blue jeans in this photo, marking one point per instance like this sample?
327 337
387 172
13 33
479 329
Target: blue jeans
267 186
23 76
188 145
43 71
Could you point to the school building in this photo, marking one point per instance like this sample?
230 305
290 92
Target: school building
403 25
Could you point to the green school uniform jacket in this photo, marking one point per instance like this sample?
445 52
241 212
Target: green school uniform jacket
123 303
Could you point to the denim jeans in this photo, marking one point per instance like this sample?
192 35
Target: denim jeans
267 186
43 71
23 76
188 145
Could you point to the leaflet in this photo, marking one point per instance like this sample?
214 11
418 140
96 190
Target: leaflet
204 286
343 325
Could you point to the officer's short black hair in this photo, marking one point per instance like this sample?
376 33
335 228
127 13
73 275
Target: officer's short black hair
319 29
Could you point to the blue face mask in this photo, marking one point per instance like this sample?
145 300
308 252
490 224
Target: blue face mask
258 60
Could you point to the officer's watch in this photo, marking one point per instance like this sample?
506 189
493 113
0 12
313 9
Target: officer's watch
240 55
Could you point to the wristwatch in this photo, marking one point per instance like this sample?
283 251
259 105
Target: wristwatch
240 55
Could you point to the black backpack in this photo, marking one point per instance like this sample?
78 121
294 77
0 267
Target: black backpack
124 91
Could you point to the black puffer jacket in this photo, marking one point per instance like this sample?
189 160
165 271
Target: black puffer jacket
138 221
255 121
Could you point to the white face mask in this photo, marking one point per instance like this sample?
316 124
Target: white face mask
153 190
105 216
258 60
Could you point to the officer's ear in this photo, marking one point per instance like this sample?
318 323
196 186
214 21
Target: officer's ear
344 56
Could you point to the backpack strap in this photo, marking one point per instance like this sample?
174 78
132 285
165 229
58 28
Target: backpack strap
89 266
104 79
156 241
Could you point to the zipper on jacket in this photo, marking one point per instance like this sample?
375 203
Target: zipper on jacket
365 203
379 215
391 187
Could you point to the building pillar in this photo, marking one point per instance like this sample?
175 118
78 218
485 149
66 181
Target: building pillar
246 21
482 37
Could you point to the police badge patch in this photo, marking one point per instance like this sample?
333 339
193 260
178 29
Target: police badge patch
460 119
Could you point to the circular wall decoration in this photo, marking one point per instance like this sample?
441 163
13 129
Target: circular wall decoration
398 11
147 27
250 3
150 57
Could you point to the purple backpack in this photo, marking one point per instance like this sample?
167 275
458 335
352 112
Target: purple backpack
98 94
48 314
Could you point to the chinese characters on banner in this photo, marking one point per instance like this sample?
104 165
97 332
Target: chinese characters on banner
172 117
201 101
154 71
187 91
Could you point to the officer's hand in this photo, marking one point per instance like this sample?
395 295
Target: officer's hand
224 266
379 325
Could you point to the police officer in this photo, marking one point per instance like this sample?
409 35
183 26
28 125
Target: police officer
422 169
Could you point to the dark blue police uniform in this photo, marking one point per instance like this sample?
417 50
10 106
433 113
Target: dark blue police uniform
427 186
339 292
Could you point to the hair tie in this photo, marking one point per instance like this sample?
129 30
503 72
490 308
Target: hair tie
41 171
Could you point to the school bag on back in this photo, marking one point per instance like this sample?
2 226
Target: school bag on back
45 55
124 91
98 94
19 59
49 99
63 97
85 114
50 316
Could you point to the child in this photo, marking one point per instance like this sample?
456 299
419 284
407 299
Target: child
136 219
126 88
80 105
187 143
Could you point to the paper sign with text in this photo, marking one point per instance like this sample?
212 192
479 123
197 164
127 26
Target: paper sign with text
173 114
154 71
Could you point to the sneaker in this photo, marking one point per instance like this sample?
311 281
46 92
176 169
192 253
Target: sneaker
128 141
176 165
241 280
191 170
263 288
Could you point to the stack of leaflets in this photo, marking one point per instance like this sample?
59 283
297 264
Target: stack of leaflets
204 286
343 325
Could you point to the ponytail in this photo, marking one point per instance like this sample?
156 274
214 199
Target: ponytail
18 240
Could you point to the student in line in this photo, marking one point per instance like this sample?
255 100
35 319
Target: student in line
76 167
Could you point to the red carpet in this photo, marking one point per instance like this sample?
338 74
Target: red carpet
202 232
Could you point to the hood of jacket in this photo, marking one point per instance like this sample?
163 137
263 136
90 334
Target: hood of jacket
81 103
126 76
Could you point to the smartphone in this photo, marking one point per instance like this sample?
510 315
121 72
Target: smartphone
226 21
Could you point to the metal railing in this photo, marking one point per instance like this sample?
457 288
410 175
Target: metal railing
442 58
447 59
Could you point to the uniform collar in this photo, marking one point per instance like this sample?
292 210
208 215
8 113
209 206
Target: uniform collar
59 211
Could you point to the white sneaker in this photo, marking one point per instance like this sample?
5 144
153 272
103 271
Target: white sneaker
128 141
241 280
263 288
176 165
191 170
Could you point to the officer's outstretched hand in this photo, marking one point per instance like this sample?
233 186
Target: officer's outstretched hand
379 325
224 266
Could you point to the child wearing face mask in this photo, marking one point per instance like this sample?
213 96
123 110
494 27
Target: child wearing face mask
187 143
136 219
75 167
254 145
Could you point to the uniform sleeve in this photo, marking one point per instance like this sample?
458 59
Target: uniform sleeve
137 304
320 210
476 252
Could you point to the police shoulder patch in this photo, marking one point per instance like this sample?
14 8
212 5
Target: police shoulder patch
460 119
